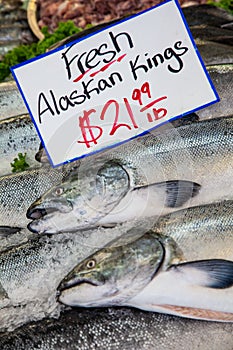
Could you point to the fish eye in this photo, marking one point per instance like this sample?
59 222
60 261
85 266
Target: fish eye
90 264
59 191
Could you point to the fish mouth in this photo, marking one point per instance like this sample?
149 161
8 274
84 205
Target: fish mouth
38 209
74 283
38 213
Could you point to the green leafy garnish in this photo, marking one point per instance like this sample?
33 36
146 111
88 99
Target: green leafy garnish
20 163
224 4
25 52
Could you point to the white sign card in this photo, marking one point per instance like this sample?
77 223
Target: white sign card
115 84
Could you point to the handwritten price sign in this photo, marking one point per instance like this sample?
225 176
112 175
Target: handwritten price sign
156 114
115 84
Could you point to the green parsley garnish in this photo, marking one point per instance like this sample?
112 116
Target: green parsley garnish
224 4
20 163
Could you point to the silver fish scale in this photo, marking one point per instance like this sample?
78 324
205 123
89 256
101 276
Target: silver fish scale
18 191
200 152
176 153
11 101
203 232
222 77
20 263
11 240
38 254
115 329
30 273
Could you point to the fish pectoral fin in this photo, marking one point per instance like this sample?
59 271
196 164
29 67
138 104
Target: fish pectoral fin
3 293
8 230
215 273
178 191
196 313
185 120
41 155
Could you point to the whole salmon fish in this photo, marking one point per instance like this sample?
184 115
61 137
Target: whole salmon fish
152 175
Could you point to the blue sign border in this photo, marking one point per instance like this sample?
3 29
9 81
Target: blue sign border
94 33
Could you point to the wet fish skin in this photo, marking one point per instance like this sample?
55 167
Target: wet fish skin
200 289
213 34
111 329
17 135
222 77
200 153
19 190
214 53
11 101
113 269
198 227
217 339
42 262
111 185
46 260
7 230
210 24
206 15
23 270
13 236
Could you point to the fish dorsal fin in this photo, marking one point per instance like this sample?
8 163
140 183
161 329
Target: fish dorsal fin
215 273
178 192
196 313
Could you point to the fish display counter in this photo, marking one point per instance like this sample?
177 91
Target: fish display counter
131 247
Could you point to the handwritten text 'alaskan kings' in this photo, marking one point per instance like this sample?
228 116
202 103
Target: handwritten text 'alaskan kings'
99 59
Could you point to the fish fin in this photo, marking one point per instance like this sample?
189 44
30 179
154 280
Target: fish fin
197 313
185 120
7 230
41 155
178 192
3 293
215 273
227 25
110 225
